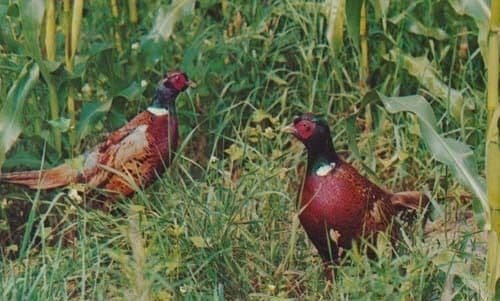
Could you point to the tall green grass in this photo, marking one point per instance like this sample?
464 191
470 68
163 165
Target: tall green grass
222 222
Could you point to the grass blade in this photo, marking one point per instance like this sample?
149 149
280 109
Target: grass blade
11 113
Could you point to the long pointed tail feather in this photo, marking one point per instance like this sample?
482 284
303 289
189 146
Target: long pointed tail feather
409 200
45 179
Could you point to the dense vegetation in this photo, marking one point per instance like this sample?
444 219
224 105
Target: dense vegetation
222 222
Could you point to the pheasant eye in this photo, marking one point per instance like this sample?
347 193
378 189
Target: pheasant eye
305 127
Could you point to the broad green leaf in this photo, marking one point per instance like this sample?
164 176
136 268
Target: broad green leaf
353 16
90 114
479 10
152 44
381 8
335 19
8 38
31 12
52 66
426 74
11 113
403 15
132 92
416 27
455 154
26 159
5 8
31 15
62 124
167 17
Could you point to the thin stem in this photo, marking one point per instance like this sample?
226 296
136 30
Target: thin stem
54 113
493 148
363 35
50 47
72 31
116 34
50 30
132 11
76 23
66 25
114 8
493 55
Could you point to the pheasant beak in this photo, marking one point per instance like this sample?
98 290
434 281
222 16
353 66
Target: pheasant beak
289 129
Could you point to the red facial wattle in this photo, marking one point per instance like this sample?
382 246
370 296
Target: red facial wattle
304 129
178 81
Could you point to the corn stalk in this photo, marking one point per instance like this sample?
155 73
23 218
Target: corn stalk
50 30
72 24
493 148
50 49
132 11
363 40
116 16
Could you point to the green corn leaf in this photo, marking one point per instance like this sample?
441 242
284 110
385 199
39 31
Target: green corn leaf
479 10
62 124
152 44
26 159
426 74
353 16
31 12
416 27
381 8
132 92
11 113
335 23
167 17
455 154
90 114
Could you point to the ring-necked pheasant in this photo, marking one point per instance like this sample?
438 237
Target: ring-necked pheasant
338 205
132 156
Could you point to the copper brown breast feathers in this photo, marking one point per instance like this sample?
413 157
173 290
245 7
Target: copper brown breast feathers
338 205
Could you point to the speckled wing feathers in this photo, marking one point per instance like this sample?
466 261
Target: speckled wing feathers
131 157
